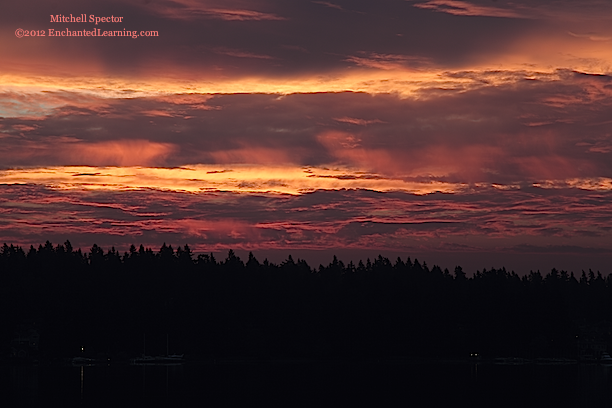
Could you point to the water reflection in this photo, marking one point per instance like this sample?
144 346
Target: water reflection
307 384
23 383
82 368
595 385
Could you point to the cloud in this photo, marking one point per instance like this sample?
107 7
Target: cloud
157 113
590 36
270 179
477 221
555 249
241 54
24 128
482 133
223 10
71 151
120 153
464 8
240 15
387 61
406 128
356 121
36 105
328 4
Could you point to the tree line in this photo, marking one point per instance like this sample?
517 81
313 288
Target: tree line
105 303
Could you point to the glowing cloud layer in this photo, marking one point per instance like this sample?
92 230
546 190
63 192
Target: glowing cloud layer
435 126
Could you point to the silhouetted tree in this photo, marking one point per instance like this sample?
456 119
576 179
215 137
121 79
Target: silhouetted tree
229 309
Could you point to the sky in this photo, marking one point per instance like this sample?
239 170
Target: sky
473 133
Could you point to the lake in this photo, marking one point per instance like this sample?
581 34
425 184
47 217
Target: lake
236 384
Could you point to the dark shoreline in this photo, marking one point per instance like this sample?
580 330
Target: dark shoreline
61 303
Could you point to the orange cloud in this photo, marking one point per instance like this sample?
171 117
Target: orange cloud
73 151
24 128
430 161
253 155
388 61
356 121
119 153
158 113
591 36
274 180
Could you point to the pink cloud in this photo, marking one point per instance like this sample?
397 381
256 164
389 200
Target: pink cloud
37 106
241 54
120 153
223 10
591 36
387 61
158 113
72 151
252 155
484 219
328 4
356 121
24 128
466 162
463 8
240 15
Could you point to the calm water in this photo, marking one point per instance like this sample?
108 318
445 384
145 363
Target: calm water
306 385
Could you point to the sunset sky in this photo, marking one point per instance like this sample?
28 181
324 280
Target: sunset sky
475 132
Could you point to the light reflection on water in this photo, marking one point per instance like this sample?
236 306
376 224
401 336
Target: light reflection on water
82 371
306 384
